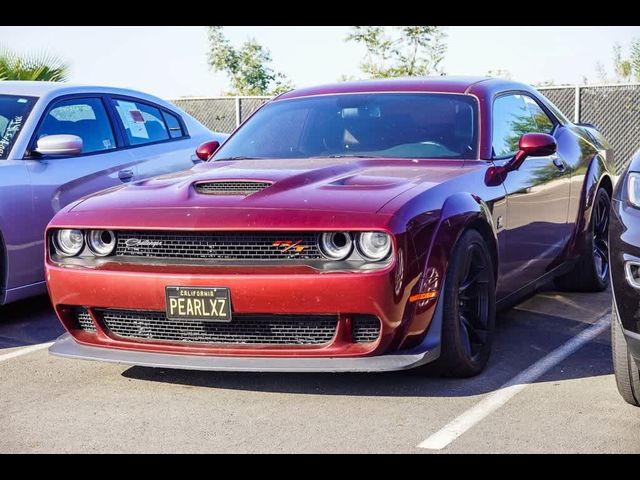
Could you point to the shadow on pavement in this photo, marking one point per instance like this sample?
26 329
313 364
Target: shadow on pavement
523 336
28 322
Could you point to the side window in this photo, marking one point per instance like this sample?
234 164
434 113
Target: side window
175 130
84 117
513 116
142 123
541 120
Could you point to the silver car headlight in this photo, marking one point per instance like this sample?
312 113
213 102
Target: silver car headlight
336 245
68 242
374 246
633 189
101 242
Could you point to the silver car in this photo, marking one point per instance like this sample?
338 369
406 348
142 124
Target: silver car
60 142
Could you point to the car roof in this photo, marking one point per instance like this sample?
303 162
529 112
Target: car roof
443 84
41 89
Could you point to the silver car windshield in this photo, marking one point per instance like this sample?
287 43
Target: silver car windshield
14 111
381 125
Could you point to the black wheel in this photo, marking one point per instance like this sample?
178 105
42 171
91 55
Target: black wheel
624 366
468 310
591 273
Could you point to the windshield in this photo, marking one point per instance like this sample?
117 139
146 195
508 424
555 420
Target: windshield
391 125
13 113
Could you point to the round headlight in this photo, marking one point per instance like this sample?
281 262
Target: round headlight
101 242
68 243
374 245
336 245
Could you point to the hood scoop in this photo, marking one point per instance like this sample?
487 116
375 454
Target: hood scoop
231 187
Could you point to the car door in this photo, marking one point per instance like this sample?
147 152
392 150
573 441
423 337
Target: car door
158 138
59 180
536 228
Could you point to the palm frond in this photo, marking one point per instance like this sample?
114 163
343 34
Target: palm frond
39 66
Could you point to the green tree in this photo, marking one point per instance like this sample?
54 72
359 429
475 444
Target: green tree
622 65
248 67
635 58
41 66
405 51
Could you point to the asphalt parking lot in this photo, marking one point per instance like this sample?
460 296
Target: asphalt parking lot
49 404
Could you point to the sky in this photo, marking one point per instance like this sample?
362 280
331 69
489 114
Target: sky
170 62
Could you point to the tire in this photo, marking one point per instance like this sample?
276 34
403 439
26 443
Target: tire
469 309
624 366
591 273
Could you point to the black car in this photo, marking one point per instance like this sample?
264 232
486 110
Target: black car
624 242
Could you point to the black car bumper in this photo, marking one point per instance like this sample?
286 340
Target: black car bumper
624 247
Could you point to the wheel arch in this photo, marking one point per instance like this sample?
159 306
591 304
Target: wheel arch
460 212
597 176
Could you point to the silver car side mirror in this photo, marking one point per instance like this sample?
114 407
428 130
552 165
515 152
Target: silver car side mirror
59 145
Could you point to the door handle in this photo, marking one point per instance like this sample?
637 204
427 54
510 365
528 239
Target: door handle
558 162
125 175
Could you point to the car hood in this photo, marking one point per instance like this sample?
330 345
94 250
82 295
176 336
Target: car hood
341 185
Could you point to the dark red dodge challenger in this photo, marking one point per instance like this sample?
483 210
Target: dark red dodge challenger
352 227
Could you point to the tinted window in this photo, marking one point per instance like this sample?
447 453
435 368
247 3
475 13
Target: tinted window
13 114
84 117
142 123
175 130
513 116
392 125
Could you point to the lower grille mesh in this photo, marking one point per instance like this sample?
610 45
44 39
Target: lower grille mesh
365 328
243 329
84 320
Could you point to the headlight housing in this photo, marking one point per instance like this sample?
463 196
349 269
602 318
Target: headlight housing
336 245
374 246
633 189
101 242
68 242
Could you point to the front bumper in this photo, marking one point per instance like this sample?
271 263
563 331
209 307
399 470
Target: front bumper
624 248
294 291
66 346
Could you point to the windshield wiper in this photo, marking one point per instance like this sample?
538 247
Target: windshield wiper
239 157
346 156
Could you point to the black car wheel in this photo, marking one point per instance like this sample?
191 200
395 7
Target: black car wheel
591 273
469 308
624 366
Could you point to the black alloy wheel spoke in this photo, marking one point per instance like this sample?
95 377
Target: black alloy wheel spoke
600 237
473 311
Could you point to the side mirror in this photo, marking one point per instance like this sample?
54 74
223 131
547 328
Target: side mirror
204 151
534 145
66 145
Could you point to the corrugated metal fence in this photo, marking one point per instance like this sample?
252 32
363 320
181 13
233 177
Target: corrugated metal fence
614 109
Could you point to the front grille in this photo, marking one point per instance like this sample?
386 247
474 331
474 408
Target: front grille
83 319
219 245
243 329
364 328
230 187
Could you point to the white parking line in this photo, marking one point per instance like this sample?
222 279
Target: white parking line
497 399
24 351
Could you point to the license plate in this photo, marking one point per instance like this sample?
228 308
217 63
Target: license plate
212 304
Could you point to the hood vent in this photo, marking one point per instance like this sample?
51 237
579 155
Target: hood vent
231 187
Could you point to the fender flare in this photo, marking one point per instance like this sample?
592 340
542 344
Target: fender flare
459 212
596 176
